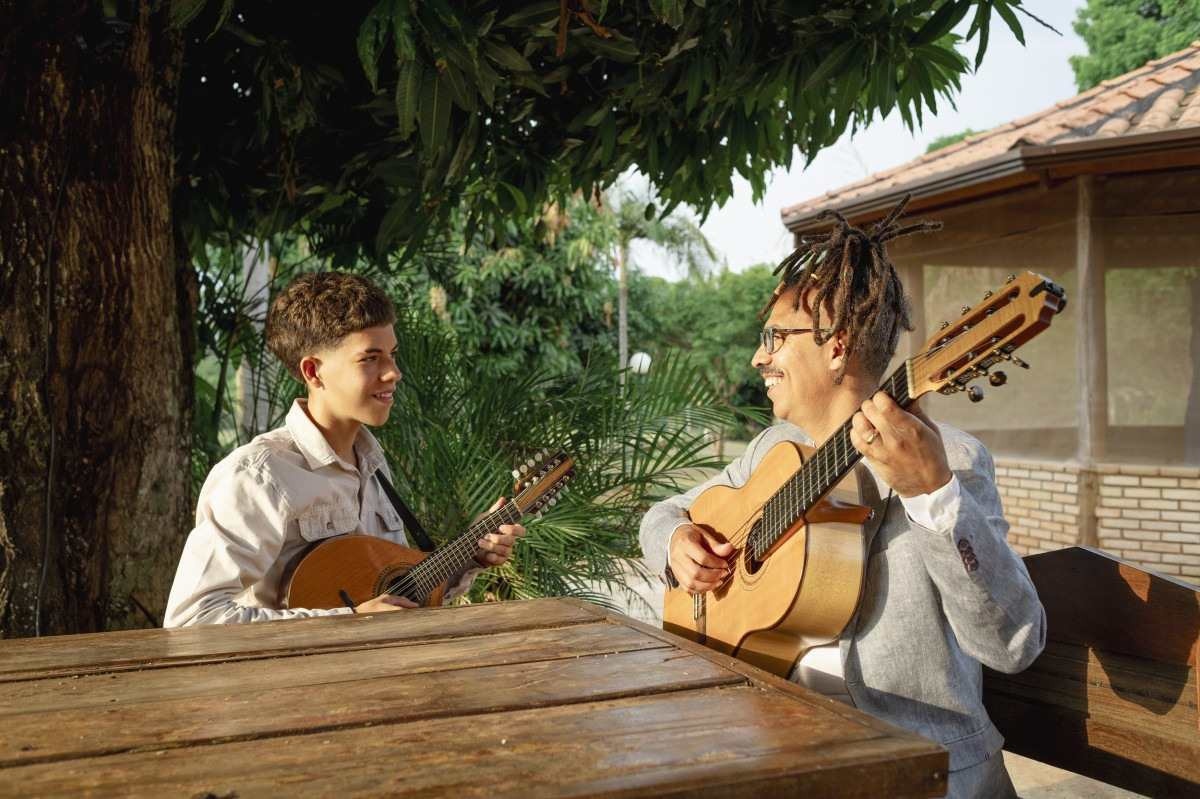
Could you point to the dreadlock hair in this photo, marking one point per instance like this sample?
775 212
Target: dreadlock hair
849 270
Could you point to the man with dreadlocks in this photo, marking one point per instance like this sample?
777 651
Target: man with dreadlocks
943 592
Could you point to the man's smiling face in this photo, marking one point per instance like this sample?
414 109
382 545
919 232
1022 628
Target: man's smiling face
797 374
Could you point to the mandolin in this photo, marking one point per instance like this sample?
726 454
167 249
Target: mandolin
350 569
797 524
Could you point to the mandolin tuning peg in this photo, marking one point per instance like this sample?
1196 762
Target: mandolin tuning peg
966 309
1010 278
516 474
943 325
987 294
529 463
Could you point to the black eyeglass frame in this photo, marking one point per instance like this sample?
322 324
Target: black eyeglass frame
767 336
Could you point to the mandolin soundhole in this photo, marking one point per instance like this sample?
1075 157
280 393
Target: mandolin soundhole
389 576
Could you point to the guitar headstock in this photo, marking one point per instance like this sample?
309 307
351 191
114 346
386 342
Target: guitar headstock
540 481
984 336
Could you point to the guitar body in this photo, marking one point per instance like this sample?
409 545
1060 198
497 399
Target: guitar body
361 565
805 590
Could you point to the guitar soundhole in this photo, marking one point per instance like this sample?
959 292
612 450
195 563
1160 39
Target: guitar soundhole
749 562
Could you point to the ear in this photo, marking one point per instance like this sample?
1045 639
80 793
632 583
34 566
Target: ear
836 347
310 367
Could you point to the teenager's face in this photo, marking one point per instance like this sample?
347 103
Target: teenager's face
356 379
799 373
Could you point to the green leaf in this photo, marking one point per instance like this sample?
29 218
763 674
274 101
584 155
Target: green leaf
184 11
406 47
942 22
464 93
464 151
832 64
518 197
434 114
534 14
408 94
400 213
370 40
505 56
1011 20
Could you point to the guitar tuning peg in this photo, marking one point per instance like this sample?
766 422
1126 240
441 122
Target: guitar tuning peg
516 474
965 309
1010 278
997 378
524 468
975 394
987 294
943 325
1018 361
529 463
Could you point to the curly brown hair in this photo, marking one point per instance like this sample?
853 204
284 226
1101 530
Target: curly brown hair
316 311
852 279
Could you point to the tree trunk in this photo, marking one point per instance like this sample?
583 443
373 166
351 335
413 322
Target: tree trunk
95 308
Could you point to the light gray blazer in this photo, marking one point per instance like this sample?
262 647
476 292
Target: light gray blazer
936 604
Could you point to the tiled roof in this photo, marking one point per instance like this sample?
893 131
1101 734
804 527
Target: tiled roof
1161 96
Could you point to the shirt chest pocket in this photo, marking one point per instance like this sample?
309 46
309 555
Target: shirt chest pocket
390 525
325 521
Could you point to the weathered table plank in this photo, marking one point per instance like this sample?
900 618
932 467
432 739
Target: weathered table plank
252 676
138 649
739 741
65 734
551 697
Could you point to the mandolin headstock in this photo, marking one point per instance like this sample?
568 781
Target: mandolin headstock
541 480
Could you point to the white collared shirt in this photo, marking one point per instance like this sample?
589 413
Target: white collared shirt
262 506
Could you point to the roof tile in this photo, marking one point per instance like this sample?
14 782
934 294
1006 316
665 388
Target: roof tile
1162 95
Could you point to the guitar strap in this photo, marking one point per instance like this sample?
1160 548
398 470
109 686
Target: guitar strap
412 527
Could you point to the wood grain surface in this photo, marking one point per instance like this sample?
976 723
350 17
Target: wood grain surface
545 698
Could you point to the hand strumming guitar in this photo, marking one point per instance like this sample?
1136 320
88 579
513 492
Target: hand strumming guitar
699 559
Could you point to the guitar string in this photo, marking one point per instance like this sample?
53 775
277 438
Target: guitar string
810 482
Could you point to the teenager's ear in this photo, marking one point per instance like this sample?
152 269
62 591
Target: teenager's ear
309 368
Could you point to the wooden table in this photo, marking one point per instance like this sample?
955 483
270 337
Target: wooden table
551 697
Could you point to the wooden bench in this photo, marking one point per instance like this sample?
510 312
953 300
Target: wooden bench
1114 694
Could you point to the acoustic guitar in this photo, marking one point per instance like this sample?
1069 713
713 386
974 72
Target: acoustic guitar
797 524
350 569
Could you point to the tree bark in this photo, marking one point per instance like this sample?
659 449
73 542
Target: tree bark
95 307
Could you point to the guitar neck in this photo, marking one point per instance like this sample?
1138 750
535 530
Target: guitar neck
452 558
819 474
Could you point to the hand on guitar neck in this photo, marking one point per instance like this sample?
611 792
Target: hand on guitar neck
494 550
904 447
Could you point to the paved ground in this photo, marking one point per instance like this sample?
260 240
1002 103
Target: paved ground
1033 780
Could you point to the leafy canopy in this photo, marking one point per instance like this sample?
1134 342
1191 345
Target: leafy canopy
366 129
1122 35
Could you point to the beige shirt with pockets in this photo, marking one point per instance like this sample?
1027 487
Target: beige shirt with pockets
262 506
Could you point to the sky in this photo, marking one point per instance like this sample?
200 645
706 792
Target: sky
1012 82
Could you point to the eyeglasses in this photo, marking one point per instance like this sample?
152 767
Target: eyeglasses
772 338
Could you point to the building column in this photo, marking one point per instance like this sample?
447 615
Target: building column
1091 355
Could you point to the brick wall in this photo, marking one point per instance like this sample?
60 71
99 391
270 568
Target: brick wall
1149 515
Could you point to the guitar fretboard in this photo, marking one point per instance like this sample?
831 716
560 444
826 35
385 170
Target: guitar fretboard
817 476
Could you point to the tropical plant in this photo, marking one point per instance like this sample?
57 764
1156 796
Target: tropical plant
636 219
